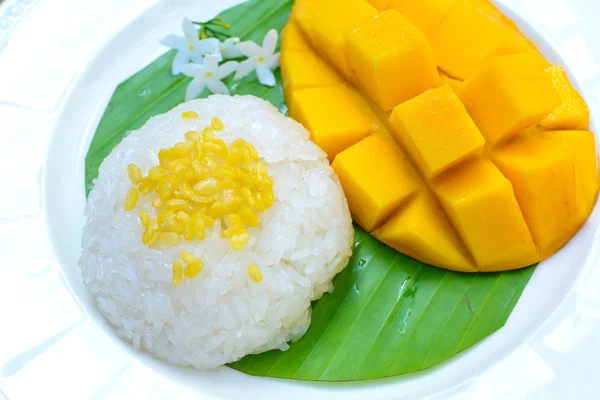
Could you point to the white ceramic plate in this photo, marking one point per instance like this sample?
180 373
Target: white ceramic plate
60 60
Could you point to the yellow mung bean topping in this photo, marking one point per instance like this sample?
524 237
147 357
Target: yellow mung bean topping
144 218
189 115
197 182
131 199
193 269
193 136
255 273
216 124
135 174
177 272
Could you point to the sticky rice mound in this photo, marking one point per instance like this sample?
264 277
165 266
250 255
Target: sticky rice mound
303 240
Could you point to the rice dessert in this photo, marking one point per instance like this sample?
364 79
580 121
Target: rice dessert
206 299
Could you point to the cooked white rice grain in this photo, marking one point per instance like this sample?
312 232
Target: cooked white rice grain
219 316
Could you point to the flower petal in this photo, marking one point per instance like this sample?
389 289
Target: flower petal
189 29
179 62
211 62
265 75
232 41
245 68
197 58
273 62
230 49
195 87
270 41
208 46
250 49
173 41
226 69
216 86
193 70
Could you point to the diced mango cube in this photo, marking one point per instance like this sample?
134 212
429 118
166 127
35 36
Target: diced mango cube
335 124
331 21
582 146
482 207
436 130
422 230
391 59
292 38
302 69
507 95
448 80
303 13
543 177
464 39
488 8
381 5
573 113
427 15
511 43
372 193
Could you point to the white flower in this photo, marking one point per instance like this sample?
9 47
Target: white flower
230 48
262 59
190 47
209 75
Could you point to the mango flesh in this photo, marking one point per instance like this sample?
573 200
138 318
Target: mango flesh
292 38
509 94
421 230
390 59
464 39
380 4
481 204
582 146
572 113
448 80
542 168
427 15
330 23
372 200
335 124
488 169
301 69
436 130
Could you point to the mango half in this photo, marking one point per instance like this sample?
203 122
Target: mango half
455 141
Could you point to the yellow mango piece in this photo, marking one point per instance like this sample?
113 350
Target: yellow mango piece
488 8
303 13
331 21
336 116
572 113
381 5
421 230
543 177
507 95
292 38
582 145
376 177
464 39
534 130
302 69
510 43
436 130
418 172
448 80
427 15
481 204
391 59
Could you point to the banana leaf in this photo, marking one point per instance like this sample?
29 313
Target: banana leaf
389 314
